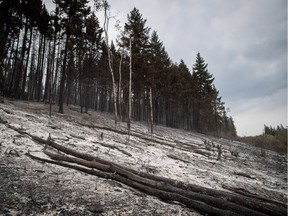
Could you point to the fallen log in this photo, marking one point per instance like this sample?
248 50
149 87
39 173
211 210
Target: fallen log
266 207
244 192
164 195
90 164
162 186
249 202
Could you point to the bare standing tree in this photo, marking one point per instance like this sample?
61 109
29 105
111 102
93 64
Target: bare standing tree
110 59
130 91
119 86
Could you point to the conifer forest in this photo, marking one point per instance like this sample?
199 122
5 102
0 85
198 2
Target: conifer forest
66 57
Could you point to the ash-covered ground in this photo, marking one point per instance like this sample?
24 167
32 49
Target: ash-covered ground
30 187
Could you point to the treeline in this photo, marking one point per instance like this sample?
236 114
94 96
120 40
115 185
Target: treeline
66 57
279 132
273 138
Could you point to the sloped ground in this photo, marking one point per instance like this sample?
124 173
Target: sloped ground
32 188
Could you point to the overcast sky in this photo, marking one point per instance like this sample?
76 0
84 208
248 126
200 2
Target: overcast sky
244 43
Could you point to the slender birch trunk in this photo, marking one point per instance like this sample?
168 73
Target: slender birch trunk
106 25
119 87
26 67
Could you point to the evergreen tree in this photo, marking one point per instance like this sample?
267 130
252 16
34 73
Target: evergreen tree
136 28
229 128
204 94
232 128
218 112
187 95
279 132
159 62
93 36
103 78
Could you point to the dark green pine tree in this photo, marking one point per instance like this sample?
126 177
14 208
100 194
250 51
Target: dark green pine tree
136 28
158 51
103 78
216 125
229 127
187 94
204 95
159 62
178 82
93 36
232 128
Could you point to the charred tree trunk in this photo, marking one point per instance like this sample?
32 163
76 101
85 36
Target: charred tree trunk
12 80
40 78
26 67
55 81
7 73
20 70
37 74
48 72
63 77
87 97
